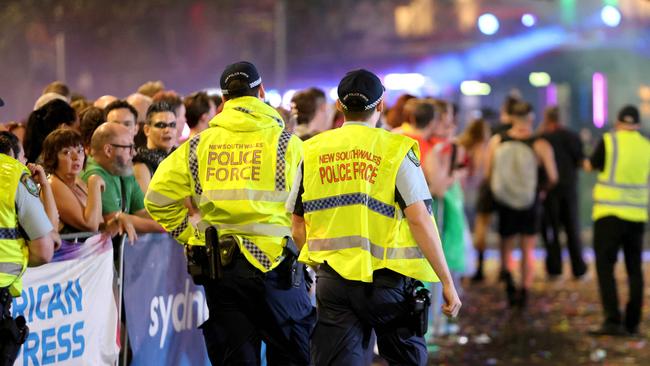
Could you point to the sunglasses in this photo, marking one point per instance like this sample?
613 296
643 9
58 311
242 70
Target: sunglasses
163 125
130 147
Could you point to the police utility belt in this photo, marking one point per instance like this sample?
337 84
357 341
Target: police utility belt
207 263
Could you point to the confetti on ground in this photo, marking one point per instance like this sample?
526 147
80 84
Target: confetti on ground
552 330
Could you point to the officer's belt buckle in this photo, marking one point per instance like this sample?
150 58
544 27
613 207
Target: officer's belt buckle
228 249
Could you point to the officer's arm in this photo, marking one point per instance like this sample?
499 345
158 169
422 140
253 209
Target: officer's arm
426 235
36 225
412 196
41 250
168 189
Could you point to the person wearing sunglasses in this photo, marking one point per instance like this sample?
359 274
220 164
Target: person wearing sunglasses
160 129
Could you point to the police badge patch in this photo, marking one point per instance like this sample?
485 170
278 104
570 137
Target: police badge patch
29 183
411 155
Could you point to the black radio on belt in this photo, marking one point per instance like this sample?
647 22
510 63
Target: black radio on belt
204 262
420 299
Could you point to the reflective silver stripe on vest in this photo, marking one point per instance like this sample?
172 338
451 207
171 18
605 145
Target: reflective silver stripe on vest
348 200
620 204
346 242
623 185
11 268
159 199
404 253
257 253
281 161
244 195
350 242
179 230
194 165
612 170
250 229
9 233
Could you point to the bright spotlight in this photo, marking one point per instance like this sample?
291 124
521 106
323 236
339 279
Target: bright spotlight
528 20
334 93
274 98
488 24
610 16
539 79
474 88
286 98
404 81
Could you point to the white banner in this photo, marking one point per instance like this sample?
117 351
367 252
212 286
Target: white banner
70 308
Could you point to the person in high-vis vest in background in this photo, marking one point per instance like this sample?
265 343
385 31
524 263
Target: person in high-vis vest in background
26 240
620 212
359 191
238 173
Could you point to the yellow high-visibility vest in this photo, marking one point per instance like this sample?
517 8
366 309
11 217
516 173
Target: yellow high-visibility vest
352 218
14 253
622 186
238 173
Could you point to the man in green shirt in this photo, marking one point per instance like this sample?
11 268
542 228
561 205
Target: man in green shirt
111 148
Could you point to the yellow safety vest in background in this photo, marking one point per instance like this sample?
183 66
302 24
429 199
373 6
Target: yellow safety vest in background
238 173
14 253
351 216
622 187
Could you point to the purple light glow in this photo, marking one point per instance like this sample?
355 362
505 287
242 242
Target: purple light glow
599 84
551 95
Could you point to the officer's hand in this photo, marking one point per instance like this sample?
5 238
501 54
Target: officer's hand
38 173
452 304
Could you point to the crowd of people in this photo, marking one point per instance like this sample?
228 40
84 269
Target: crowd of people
94 162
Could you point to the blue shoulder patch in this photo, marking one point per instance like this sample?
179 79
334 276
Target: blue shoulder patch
31 186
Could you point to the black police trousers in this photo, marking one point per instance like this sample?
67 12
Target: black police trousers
247 306
8 347
610 235
348 310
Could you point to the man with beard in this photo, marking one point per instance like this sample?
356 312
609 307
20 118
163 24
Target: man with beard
111 149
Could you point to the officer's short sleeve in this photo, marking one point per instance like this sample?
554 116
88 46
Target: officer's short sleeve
410 184
31 214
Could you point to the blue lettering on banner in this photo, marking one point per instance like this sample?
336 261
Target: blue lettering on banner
180 309
54 344
67 304
63 342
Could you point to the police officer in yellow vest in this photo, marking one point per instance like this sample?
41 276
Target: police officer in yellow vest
620 212
25 240
359 191
238 173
